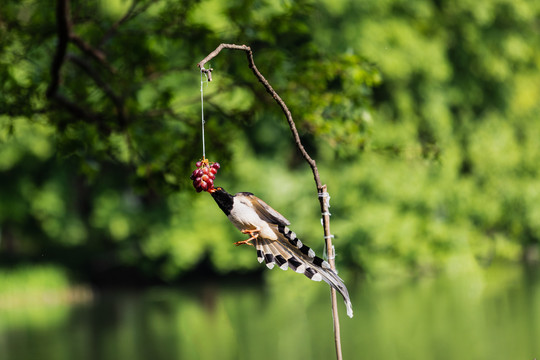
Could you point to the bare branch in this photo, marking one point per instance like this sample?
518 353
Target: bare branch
89 50
276 97
324 200
321 189
218 50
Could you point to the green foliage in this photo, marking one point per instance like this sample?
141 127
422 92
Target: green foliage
423 117
32 281
29 287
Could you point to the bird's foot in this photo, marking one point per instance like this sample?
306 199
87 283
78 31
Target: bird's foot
245 242
254 234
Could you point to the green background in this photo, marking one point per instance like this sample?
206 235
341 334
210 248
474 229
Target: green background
423 117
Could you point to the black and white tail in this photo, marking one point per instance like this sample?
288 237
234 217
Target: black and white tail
289 252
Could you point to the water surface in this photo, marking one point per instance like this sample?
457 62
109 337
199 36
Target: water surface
492 315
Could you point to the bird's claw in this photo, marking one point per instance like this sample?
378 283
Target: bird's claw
254 234
244 242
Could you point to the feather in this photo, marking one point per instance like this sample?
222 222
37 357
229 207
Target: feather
265 212
260 251
275 242
268 254
289 251
280 255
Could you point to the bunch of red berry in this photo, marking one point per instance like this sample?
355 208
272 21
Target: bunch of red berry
203 177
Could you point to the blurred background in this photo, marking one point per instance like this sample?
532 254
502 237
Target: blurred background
423 117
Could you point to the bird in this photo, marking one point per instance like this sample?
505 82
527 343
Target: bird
275 243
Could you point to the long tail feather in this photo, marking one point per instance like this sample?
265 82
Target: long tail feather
289 252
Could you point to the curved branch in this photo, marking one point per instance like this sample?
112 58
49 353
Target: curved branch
275 96
321 189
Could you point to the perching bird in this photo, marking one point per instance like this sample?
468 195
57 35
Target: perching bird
275 243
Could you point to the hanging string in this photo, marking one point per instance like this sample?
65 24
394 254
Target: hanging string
202 112
325 253
326 197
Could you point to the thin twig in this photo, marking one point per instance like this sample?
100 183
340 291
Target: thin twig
331 260
276 97
321 189
88 49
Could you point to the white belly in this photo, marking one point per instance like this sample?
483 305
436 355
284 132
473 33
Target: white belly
245 218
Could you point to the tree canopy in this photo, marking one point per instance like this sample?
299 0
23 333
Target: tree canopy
422 116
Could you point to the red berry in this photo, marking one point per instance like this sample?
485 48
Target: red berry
204 185
204 175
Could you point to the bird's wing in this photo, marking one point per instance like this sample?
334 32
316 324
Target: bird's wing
265 212
289 252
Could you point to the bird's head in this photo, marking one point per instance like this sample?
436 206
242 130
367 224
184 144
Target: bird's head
223 199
